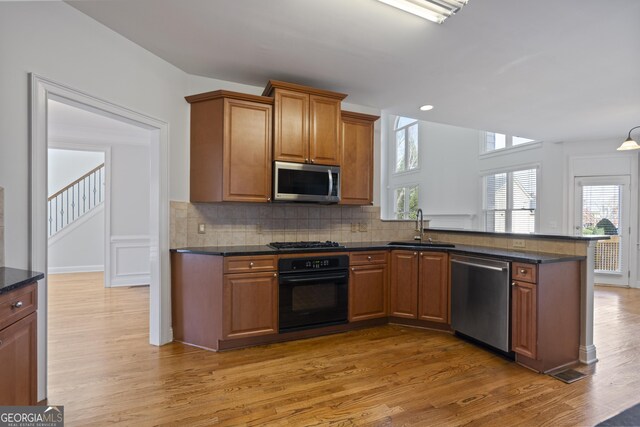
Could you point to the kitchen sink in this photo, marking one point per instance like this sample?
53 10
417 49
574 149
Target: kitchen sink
423 244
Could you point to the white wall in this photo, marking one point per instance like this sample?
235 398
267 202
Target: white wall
79 248
56 41
65 166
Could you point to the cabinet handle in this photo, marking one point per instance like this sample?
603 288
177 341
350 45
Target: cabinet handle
268 199
275 274
353 269
523 271
306 160
17 304
415 253
312 161
369 258
513 283
421 253
251 265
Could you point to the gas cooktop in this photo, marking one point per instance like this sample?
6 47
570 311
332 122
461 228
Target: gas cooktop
305 245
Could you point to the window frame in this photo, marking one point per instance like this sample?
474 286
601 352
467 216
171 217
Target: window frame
508 148
405 128
406 212
509 198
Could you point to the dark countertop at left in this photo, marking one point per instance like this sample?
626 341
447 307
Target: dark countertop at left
13 278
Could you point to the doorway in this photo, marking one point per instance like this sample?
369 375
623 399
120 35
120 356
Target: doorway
602 208
41 90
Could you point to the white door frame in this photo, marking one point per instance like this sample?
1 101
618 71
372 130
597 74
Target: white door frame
160 291
624 277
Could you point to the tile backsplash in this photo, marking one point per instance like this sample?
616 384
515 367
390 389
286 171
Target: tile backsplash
1 227
251 224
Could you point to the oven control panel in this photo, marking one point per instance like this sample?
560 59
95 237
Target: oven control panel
313 263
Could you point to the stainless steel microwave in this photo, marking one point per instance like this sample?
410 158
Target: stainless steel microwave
299 182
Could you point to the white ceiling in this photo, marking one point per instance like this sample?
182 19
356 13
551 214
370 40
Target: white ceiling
549 70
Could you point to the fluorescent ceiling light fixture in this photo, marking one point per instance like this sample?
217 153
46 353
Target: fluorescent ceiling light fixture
433 10
426 107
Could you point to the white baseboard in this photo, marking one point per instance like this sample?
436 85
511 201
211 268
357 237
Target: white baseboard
75 269
131 280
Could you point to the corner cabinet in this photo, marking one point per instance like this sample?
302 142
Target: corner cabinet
18 347
357 132
545 314
231 140
368 285
306 123
419 286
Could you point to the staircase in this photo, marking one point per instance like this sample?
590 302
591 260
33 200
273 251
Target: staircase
76 200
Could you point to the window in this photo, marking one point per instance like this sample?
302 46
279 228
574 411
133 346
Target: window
405 202
406 131
510 201
499 141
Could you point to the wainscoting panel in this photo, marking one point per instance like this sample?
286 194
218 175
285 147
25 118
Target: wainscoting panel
130 260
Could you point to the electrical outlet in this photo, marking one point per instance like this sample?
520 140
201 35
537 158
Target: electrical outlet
354 227
200 228
518 243
362 227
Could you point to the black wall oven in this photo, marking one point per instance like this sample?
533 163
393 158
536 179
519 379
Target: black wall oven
313 291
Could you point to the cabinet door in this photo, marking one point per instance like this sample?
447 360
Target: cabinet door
247 151
357 162
433 293
324 132
524 330
367 292
403 298
18 363
291 126
250 305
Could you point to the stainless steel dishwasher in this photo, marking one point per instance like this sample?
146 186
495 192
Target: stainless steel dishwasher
481 300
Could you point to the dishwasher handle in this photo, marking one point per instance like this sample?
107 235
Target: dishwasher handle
487 267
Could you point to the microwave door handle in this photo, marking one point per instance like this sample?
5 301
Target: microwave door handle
330 182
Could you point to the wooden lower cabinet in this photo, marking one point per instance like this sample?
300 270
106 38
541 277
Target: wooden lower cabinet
524 332
419 286
403 286
368 292
250 305
433 294
18 347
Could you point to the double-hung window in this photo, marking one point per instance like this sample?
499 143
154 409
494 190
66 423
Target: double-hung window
405 202
406 144
510 201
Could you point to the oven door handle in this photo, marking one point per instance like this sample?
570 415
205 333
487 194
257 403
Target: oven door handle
309 278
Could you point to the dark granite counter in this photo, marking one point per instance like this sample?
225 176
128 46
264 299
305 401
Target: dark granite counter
13 278
516 235
529 257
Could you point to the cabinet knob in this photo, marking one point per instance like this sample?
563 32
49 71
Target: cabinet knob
275 274
369 258
523 271
250 264
513 283
312 161
306 160
415 253
421 253
16 304
353 269
268 199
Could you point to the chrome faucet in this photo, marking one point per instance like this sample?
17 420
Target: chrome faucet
419 225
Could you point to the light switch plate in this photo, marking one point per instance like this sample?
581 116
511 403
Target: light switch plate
201 228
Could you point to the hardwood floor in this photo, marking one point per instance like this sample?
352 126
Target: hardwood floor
103 370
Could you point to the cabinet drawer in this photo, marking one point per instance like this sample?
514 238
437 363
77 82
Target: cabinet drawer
16 304
248 264
359 258
524 272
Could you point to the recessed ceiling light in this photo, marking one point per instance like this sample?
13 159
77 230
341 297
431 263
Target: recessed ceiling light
433 10
426 107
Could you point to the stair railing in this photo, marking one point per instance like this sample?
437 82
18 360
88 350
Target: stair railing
75 200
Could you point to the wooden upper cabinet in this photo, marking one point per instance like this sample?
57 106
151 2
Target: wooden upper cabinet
291 126
403 289
357 158
433 296
324 130
231 142
306 123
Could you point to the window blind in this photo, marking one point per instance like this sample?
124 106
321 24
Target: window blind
510 201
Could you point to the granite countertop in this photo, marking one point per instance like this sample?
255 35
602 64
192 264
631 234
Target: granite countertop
529 257
12 278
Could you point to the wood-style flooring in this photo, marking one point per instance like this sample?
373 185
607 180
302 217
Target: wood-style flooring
102 369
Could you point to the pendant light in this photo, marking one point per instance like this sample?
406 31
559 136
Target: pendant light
629 144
